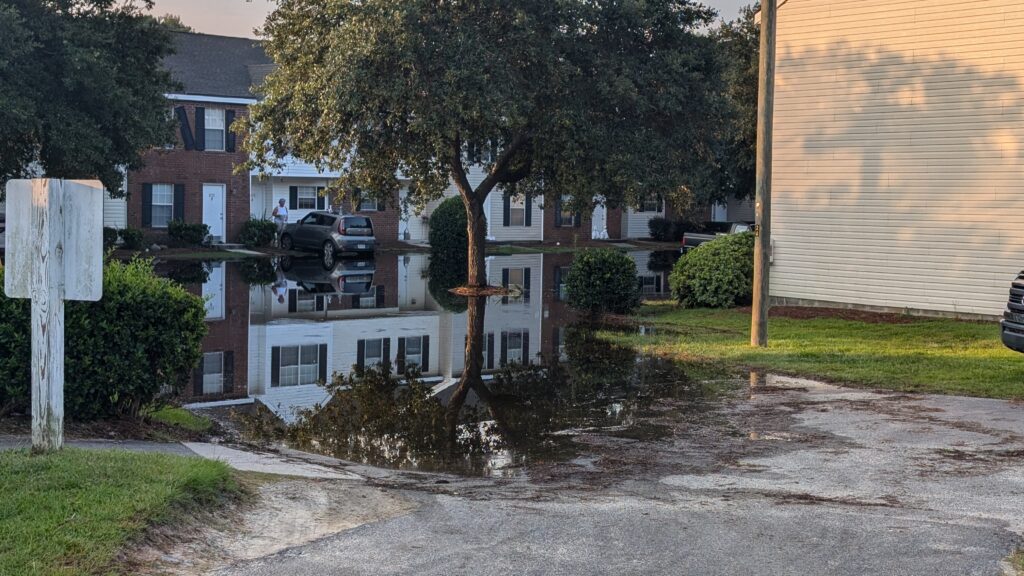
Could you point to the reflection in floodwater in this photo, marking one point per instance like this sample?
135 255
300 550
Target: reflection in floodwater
520 415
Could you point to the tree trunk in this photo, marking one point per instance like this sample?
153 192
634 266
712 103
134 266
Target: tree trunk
473 370
476 230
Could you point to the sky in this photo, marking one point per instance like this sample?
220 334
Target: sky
241 17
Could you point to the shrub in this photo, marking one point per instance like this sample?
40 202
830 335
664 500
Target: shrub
716 274
661 229
603 280
449 248
144 334
257 232
131 238
192 234
109 237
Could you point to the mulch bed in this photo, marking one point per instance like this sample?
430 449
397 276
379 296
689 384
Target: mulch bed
21 425
808 313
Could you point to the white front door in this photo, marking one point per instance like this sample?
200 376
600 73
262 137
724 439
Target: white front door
213 292
599 223
213 210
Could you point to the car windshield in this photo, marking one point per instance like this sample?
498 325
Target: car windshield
357 222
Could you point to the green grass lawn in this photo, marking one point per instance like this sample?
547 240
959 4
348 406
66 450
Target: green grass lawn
70 513
181 418
924 355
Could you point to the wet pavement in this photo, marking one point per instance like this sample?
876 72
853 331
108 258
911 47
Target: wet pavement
786 477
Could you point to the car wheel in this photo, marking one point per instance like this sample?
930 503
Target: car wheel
286 242
328 255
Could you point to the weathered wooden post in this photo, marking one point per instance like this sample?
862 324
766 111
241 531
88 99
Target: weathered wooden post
54 253
763 186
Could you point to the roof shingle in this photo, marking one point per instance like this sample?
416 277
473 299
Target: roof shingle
208 65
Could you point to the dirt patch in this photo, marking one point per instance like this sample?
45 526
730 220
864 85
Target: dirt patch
125 429
283 514
808 313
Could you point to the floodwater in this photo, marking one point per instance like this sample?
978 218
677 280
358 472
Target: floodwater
366 361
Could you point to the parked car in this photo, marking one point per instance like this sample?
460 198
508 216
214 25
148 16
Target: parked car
351 277
330 234
1012 324
691 239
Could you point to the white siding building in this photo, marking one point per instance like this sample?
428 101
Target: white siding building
898 176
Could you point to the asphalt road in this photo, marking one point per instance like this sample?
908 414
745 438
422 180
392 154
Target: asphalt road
813 480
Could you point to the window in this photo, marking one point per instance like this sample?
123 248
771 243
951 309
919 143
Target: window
214 129
519 277
649 284
368 205
561 291
163 205
306 199
300 365
488 356
517 211
560 344
565 215
374 352
652 203
369 300
305 301
414 351
515 355
213 373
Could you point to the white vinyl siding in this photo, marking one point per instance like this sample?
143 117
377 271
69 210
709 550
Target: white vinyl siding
898 179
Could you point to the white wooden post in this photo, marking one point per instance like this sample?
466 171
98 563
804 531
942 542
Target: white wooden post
54 252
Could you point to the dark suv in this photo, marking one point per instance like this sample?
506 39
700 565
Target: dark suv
330 234
1013 318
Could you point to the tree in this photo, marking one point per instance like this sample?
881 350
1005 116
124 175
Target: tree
173 23
81 89
605 99
739 45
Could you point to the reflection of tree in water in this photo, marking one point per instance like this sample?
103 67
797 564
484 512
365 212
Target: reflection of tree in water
512 419
447 270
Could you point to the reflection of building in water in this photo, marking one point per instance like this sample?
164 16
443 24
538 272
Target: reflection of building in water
277 343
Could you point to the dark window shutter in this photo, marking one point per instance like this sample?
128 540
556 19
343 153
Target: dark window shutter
425 350
200 128
147 205
293 197
526 284
229 371
293 300
275 366
179 202
558 280
322 361
504 348
229 134
558 210
380 296
361 353
321 200
504 284
577 219
319 304
400 358
386 360
526 347
355 301
657 283
490 350
197 379
186 130
507 209
529 210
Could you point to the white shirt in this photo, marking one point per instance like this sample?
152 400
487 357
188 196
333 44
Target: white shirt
281 212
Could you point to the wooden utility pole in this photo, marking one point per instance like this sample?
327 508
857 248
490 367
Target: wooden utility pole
763 191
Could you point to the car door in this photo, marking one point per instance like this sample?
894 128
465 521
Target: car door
304 228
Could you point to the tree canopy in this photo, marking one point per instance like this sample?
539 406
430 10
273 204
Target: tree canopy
583 98
81 88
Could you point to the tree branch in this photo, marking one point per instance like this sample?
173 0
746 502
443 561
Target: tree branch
499 172
458 171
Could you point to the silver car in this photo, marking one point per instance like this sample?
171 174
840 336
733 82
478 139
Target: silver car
330 234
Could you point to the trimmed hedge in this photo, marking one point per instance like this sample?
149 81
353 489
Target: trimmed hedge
192 234
716 274
603 280
257 232
144 334
131 238
109 237
449 254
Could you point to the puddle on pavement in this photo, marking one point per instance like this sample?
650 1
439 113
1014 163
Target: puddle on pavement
280 327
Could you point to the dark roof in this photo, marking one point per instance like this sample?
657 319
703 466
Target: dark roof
208 65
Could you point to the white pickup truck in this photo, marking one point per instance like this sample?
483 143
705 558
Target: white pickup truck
691 240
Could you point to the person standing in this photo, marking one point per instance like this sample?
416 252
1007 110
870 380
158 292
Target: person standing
280 215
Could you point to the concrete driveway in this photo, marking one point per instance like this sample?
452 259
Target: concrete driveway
798 478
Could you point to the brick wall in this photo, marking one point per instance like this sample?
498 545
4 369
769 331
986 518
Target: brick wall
559 314
385 221
615 223
193 168
567 233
